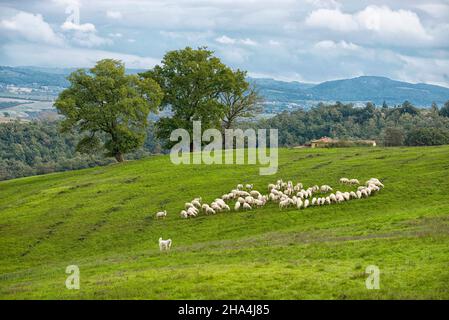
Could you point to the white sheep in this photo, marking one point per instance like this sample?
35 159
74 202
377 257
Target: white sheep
306 203
240 186
164 245
344 180
246 206
237 206
249 187
255 193
161 214
196 203
325 188
354 182
184 214
209 210
284 203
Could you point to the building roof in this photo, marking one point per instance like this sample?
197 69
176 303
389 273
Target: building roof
323 140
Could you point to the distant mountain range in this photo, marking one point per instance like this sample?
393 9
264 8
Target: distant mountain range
359 90
279 95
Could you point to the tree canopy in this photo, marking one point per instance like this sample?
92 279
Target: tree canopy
106 102
196 85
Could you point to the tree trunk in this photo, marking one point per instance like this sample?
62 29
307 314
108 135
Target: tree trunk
119 157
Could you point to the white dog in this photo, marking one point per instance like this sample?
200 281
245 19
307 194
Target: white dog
164 245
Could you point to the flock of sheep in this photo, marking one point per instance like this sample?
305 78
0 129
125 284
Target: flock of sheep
284 193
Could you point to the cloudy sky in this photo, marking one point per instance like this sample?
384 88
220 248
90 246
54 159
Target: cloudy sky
308 40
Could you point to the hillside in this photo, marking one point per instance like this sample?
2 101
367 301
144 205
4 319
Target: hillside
101 219
378 89
278 95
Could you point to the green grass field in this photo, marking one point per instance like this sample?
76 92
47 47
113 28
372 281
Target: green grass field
102 219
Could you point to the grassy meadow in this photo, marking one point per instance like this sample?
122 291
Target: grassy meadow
102 219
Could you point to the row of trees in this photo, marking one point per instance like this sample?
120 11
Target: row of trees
111 107
37 147
389 126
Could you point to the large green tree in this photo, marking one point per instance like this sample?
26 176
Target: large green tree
193 81
241 101
108 105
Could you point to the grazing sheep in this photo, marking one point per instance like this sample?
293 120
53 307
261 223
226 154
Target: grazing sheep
314 200
237 206
255 193
240 186
164 245
332 197
188 205
306 203
325 188
344 180
161 214
209 210
249 199
284 203
299 203
246 206
359 194
191 212
241 200
327 200
353 195
215 207
184 214
249 187
196 204
354 182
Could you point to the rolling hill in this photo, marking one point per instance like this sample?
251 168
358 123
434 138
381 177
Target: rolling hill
102 219
279 95
379 89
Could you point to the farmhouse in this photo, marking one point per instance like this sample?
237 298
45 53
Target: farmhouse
322 142
329 142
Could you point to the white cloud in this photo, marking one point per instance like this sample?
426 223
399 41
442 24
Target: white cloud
228 41
437 10
329 44
392 24
89 39
114 14
115 35
387 24
41 55
329 4
85 35
248 42
85 27
31 27
225 40
332 19
428 70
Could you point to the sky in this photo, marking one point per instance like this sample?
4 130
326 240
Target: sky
307 41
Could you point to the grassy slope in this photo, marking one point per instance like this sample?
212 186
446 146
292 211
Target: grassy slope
102 220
